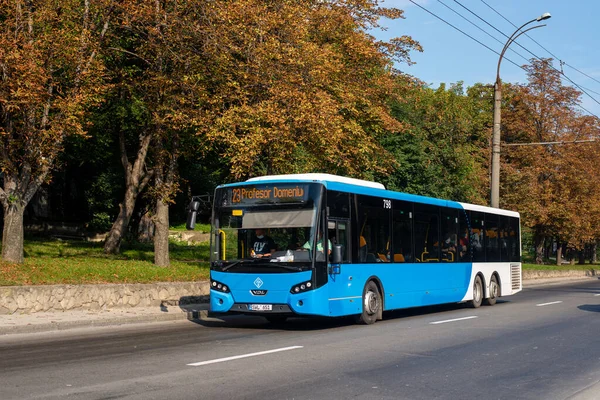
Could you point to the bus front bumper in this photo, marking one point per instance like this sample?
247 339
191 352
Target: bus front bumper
306 303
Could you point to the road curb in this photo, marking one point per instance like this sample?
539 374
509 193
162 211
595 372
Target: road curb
66 322
531 283
62 321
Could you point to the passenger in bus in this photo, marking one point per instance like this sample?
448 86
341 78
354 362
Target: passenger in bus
463 245
449 248
307 245
362 249
263 245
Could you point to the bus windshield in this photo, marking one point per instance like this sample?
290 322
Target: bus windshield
263 231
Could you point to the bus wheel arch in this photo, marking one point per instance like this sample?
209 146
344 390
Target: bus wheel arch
478 291
494 290
372 302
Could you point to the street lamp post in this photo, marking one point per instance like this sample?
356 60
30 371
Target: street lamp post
495 184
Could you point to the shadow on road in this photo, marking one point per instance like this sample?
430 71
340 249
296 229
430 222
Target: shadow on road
257 322
320 323
590 307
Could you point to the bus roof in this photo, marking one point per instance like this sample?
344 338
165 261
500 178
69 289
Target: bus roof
365 187
499 211
318 177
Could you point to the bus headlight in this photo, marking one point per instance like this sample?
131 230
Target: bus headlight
301 287
219 287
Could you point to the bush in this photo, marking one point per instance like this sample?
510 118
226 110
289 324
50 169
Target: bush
101 222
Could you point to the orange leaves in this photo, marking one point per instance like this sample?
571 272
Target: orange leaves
552 184
311 90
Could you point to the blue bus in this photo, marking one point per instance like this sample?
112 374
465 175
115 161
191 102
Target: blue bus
326 245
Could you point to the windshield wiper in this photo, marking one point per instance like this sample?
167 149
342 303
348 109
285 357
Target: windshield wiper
233 264
288 267
266 264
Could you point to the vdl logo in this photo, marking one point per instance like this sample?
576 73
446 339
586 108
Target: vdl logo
258 282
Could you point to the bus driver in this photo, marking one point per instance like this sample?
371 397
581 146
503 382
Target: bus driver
263 245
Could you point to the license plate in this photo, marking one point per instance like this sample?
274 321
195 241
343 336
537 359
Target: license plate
260 307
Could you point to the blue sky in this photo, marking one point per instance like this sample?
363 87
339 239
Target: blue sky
572 35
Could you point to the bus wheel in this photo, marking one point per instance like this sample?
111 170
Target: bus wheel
477 292
494 292
276 319
371 304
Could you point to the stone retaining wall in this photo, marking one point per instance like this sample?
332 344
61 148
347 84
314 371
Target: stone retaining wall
31 299
541 274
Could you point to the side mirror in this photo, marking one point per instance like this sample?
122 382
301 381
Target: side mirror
336 254
193 208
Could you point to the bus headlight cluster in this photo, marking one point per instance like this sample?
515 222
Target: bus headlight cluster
219 287
301 287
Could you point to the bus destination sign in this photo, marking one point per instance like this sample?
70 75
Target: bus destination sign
268 194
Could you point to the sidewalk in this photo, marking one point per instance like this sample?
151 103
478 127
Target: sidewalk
53 321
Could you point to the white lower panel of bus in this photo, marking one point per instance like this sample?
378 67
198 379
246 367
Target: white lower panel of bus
509 274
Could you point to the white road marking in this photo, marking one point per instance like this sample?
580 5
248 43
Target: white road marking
597 294
547 304
452 320
260 353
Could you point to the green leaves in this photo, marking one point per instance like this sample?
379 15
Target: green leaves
438 153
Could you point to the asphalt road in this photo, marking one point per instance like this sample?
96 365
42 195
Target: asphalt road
543 343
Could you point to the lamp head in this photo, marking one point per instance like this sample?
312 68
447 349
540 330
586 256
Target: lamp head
543 17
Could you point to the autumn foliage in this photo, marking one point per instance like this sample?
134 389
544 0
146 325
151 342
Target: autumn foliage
240 88
50 75
553 181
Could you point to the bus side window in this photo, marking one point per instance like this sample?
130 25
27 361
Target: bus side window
492 238
402 232
338 234
427 240
464 242
449 225
477 236
374 228
362 249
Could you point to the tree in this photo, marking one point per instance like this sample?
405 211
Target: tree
270 87
438 154
149 70
165 189
50 76
300 86
547 182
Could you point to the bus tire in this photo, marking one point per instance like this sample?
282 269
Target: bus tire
494 292
371 304
477 293
276 319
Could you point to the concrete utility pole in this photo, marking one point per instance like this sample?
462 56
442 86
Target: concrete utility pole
495 183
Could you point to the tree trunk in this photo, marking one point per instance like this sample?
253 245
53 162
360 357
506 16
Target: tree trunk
539 249
12 235
136 179
165 183
161 234
594 256
146 228
165 176
581 254
559 252
16 193
112 245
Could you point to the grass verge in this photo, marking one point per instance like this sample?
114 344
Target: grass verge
199 227
564 267
49 262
